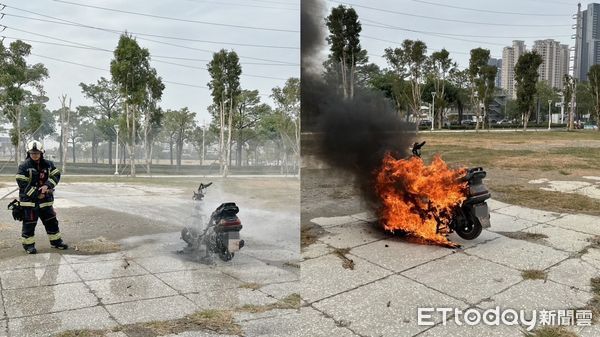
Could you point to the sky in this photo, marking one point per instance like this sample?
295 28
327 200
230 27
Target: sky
264 33
487 24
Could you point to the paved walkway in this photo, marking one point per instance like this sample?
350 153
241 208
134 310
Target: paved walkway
391 278
44 294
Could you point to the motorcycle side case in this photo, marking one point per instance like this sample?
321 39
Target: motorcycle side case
482 213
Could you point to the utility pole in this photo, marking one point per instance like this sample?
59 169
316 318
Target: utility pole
577 52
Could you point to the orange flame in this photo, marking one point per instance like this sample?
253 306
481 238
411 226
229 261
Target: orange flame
419 199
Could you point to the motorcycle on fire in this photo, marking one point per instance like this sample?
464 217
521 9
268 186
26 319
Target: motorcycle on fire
222 232
468 219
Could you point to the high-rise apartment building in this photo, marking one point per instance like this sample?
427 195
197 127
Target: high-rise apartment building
588 41
555 61
498 64
510 56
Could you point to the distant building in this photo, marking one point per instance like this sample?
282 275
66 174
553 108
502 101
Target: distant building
498 64
510 56
587 41
555 61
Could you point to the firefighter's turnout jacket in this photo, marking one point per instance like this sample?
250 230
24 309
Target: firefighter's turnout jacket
31 176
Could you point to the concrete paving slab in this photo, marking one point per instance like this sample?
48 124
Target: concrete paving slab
200 281
108 269
365 216
3 328
592 254
94 318
271 253
47 299
485 236
574 272
386 308
281 290
495 204
197 334
353 234
229 299
129 289
157 309
538 295
242 317
561 238
529 213
32 261
261 274
518 254
333 221
325 276
508 223
116 334
168 263
35 277
398 255
316 250
579 222
73 259
451 329
591 331
479 278
306 322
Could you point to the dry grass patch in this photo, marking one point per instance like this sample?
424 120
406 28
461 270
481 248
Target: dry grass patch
525 236
534 274
293 301
99 245
82 333
347 263
533 197
252 286
551 331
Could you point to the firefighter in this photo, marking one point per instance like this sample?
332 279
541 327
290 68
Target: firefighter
37 178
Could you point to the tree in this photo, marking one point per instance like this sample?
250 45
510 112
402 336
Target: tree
65 116
440 65
105 94
247 115
460 95
183 124
345 50
526 76
225 71
15 80
481 77
409 62
392 87
594 77
138 83
287 102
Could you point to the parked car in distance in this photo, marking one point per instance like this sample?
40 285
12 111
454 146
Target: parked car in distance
590 127
467 122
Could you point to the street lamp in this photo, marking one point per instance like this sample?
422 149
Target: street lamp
117 152
549 115
432 108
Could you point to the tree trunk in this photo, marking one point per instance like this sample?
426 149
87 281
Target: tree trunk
109 152
132 142
73 149
146 146
171 149
18 149
238 155
229 124
222 138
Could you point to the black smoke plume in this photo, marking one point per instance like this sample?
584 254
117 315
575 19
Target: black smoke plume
350 134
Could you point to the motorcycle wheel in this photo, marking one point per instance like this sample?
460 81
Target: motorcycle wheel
468 230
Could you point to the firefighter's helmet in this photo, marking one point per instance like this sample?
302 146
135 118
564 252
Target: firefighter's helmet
34 145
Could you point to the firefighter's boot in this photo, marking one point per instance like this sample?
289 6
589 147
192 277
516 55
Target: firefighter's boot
30 249
59 244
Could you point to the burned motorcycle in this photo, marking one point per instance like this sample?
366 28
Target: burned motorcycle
222 232
468 219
